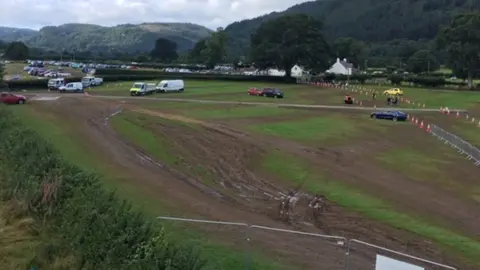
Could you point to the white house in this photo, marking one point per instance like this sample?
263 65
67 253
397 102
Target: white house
342 67
297 71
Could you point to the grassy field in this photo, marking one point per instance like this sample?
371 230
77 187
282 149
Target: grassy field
326 129
66 139
295 171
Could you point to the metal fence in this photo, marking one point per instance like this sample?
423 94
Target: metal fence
318 251
458 143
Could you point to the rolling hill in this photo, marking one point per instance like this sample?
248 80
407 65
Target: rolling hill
126 38
376 21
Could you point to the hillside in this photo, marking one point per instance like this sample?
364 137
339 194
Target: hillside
367 20
127 38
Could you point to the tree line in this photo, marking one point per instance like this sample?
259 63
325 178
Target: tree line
300 39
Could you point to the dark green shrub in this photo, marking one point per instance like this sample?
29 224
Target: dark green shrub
427 81
395 79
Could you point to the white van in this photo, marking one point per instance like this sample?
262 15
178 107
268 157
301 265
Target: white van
90 81
76 87
170 86
54 84
141 89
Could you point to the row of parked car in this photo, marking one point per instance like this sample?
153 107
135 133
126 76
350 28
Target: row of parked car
61 85
266 92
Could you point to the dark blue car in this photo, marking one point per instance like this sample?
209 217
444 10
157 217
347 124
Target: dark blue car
390 115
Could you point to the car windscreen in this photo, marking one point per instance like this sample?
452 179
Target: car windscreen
137 85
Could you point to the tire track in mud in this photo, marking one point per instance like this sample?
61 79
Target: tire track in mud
144 157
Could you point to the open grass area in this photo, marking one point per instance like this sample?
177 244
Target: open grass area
68 141
294 170
330 128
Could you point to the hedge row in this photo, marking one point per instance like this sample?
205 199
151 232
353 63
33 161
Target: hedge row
161 66
36 84
81 219
427 81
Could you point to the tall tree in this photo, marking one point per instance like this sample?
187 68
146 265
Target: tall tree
422 61
289 40
461 40
16 51
197 53
212 50
349 48
165 50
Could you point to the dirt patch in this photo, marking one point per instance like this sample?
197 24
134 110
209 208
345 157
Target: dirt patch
227 153
345 164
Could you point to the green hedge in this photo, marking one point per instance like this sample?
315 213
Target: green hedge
80 219
193 76
161 66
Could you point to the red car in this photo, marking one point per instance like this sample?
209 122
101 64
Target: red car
255 92
9 98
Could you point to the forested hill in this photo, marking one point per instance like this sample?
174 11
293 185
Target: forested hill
367 20
126 38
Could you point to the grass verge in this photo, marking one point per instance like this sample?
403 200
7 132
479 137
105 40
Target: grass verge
290 168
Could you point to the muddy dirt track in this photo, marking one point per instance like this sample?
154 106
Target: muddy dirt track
242 193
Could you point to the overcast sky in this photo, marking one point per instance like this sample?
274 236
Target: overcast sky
210 13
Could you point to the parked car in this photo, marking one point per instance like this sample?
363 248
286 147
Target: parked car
9 98
390 115
75 87
55 84
255 92
272 92
393 92
90 81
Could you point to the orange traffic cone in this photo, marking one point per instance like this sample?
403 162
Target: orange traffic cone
421 125
416 122
458 114
473 120
428 128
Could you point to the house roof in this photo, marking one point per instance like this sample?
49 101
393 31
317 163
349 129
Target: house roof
346 65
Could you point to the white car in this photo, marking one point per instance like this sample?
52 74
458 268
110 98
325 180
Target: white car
73 87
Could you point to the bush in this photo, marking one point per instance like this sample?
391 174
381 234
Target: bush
427 81
82 219
395 79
